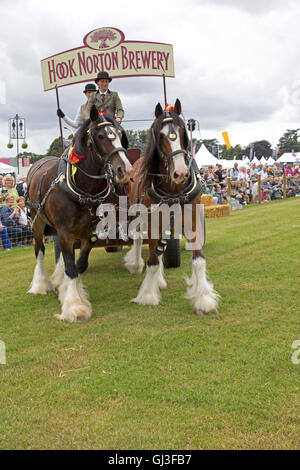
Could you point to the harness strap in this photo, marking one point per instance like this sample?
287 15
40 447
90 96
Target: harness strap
75 193
195 187
34 169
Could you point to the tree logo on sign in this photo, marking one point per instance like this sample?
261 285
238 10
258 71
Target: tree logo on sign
104 38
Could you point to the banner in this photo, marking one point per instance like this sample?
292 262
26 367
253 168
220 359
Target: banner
105 50
226 139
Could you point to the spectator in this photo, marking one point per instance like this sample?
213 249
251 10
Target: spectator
210 176
277 170
288 170
10 219
1 180
266 189
218 174
21 186
277 191
24 221
291 189
253 171
242 176
5 238
8 190
217 193
234 172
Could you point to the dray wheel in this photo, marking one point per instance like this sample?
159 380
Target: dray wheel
172 255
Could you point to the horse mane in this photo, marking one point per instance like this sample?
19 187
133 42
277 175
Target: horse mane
80 138
151 159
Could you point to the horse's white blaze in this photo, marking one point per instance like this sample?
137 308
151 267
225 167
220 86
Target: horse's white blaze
40 283
178 160
162 284
133 260
149 290
75 306
57 277
201 292
117 143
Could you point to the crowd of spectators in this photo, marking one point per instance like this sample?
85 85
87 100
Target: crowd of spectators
244 182
15 229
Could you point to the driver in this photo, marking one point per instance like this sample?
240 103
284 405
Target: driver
106 99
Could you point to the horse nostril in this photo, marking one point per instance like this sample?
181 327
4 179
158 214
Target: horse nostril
175 175
120 172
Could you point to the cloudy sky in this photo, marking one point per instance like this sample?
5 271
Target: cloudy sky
237 63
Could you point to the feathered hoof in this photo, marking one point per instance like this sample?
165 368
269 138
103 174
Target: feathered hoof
40 290
70 319
148 299
75 315
201 312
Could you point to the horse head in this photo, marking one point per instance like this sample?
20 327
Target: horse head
170 141
108 141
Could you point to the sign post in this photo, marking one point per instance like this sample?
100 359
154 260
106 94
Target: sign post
59 119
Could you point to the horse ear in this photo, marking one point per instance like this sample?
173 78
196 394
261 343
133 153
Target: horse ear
158 110
177 107
94 115
124 140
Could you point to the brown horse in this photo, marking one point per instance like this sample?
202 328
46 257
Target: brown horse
168 175
64 196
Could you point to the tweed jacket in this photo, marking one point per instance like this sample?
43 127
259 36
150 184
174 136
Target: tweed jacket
112 104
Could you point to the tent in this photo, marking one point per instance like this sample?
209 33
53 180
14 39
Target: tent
288 157
4 168
255 160
263 160
228 164
204 158
270 161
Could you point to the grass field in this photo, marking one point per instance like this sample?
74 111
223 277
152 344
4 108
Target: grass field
160 377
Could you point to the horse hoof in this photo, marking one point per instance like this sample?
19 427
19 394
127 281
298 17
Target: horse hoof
61 318
200 312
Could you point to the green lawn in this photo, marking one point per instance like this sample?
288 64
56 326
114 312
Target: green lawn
160 377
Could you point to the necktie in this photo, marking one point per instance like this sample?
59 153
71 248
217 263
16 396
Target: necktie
103 97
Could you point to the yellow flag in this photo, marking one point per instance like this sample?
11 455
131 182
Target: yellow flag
226 139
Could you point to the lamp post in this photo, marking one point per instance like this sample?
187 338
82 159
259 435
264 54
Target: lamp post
17 130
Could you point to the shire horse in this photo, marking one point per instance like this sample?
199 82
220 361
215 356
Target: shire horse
63 194
168 174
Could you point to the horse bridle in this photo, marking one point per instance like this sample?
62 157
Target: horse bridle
112 136
171 136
